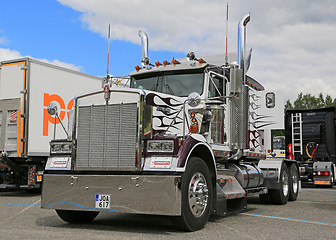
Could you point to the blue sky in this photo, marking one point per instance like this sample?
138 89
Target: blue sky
49 30
292 41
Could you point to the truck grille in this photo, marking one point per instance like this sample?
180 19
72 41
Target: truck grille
107 137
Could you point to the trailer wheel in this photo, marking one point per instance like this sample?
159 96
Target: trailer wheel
197 196
72 216
293 182
280 196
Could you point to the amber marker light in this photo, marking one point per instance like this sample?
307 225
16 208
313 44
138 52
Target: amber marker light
194 128
175 62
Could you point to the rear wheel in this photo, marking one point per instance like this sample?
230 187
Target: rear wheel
197 196
280 196
72 216
293 182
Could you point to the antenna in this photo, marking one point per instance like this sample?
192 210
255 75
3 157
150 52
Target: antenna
108 50
226 42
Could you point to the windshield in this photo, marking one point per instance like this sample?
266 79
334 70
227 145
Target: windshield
278 144
178 84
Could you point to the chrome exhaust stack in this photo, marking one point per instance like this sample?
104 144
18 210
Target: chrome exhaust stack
144 49
242 42
238 109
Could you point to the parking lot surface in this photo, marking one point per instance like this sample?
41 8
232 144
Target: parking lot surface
312 216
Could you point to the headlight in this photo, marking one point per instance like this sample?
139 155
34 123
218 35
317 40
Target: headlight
60 147
160 146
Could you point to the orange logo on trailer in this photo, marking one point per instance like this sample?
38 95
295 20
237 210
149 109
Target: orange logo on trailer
51 119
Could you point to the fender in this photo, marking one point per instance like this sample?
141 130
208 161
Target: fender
271 169
189 146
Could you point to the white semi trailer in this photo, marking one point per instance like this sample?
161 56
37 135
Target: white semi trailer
186 141
27 87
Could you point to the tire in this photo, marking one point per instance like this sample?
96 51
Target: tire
280 196
197 196
293 175
331 180
72 216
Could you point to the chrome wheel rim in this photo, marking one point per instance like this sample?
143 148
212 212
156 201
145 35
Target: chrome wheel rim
198 194
295 182
285 183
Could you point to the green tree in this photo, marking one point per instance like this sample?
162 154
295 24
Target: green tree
308 101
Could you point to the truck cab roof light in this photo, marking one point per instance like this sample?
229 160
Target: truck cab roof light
201 60
174 62
165 63
158 64
137 68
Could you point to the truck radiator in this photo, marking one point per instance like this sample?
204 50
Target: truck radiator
107 137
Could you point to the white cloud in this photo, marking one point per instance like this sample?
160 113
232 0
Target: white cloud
63 64
2 40
293 41
8 54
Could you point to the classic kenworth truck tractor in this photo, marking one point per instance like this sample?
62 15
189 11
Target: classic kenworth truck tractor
185 140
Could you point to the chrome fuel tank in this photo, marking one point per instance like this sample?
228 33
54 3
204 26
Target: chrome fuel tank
248 175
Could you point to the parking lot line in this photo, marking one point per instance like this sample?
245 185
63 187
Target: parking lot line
318 189
20 204
289 219
333 202
25 209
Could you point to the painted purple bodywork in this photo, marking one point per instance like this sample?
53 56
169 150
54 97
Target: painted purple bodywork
185 149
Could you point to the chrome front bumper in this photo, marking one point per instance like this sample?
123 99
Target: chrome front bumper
148 194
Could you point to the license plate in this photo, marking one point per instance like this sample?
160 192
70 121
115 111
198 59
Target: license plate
103 201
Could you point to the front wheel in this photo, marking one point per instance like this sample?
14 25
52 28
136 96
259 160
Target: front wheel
280 196
72 216
197 196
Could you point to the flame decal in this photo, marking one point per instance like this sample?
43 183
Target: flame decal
255 116
255 143
170 119
167 102
255 133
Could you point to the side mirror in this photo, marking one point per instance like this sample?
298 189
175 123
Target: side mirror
194 99
52 108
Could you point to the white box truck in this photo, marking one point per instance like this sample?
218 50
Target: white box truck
27 87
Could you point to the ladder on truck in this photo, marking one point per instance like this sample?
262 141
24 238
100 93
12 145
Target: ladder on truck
297 133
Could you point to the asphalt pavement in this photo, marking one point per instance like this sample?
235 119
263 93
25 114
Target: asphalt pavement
312 216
